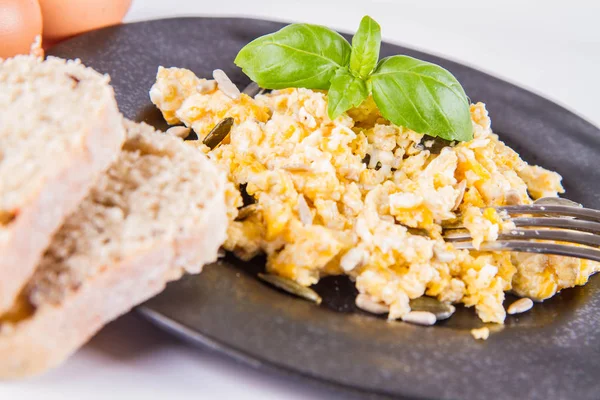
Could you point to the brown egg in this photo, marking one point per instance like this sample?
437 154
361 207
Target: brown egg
20 23
65 18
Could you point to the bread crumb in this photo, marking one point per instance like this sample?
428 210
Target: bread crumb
480 333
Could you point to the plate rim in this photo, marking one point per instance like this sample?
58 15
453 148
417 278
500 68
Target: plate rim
228 349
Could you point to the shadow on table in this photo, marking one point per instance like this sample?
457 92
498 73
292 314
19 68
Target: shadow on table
130 339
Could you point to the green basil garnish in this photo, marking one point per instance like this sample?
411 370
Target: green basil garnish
365 47
346 91
412 93
423 97
299 55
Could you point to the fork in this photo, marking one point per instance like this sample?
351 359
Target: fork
538 226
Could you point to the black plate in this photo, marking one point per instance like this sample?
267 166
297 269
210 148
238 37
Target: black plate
551 352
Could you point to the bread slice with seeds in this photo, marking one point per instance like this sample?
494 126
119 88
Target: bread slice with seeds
60 128
158 211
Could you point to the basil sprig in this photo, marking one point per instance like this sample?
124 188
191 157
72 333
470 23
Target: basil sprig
418 95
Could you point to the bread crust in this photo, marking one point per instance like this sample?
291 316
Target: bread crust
54 332
40 217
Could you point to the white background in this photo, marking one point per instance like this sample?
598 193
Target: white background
550 47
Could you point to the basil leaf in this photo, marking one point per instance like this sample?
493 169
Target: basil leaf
423 97
365 47
299 55
346 91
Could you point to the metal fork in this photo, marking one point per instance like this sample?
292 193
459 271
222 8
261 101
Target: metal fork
538 226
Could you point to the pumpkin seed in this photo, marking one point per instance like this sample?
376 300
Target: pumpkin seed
440 310
291 287
453 224
245 212
218 133
433 144
253 90
416 231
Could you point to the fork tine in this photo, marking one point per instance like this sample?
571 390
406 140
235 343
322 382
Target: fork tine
577 212
582 229
543 222
537 234
561 223
534 247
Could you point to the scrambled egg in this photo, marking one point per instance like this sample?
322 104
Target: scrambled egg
363 197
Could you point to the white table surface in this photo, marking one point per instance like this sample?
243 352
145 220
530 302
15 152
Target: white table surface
550 47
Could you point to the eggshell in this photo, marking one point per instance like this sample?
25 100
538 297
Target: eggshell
20 23
65 18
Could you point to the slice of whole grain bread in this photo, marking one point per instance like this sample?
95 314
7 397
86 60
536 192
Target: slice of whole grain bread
157 212
60 128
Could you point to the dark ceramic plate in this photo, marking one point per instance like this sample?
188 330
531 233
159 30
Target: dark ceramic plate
551 352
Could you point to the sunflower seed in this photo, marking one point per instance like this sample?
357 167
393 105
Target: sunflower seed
388 218
512 198
440 310
218 133
366 303
352 259
443 255
179 131
291 287
297 167
206 86
419 318
520 306
304 211
225 85
462 186
481 333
